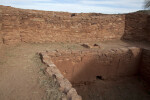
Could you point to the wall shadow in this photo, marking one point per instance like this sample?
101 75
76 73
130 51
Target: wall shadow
99 75
137 26
106 66
93 80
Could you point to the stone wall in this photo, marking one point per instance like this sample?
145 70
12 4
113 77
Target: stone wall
145 64
43 26
137 26
18 25
85 66
64 85
1 41
148 28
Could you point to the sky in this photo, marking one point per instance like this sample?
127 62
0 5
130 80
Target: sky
78 6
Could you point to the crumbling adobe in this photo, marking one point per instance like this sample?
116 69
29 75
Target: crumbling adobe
18 25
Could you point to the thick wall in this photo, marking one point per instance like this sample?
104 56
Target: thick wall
148 29
85 66
145 65
41 26
137 27
1 41
18 25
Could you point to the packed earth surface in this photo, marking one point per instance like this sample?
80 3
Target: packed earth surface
22 76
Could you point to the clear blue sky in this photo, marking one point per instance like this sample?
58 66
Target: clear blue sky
98 6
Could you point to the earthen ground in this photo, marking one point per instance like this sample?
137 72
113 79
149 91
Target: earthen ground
22 78
127 88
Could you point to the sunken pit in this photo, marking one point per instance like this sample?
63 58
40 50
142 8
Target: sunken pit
95 74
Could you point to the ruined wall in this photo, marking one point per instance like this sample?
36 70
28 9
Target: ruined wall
64 85
41 26
145 64
10 25
137 26
148 28
84 66
18 25
1 41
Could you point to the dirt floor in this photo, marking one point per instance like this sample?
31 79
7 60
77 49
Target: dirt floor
21 73
128 88
22 76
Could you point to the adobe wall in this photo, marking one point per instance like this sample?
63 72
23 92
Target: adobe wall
42 26
64 85
1 41
145 65
84 66
18 25
148 28
137 26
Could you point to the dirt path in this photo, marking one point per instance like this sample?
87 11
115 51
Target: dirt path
18 79
21 76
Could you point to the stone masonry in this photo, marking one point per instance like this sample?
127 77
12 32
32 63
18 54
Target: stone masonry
31 26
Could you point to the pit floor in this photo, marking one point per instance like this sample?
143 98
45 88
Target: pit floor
22 77
128 88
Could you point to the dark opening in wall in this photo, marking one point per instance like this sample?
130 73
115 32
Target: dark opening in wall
95 44
99 78
73 15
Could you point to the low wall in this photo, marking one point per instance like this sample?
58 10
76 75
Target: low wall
86 66
64 85
145 65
